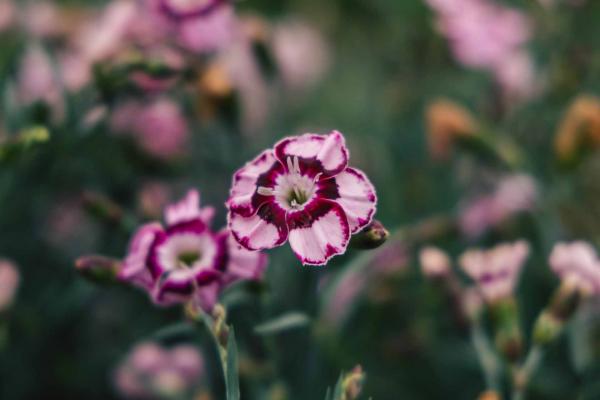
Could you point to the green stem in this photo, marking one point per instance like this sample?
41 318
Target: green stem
488 358
524 374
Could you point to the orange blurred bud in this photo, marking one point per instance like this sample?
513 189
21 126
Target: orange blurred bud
489 395
446 121
580 126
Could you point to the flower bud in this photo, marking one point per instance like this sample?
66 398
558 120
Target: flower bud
508 339
98 269
579 126
489 395
352 384
435 263
102 207
447 121
373 236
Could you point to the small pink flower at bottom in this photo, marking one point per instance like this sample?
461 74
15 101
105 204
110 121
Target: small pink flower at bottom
303 191
187 261
495 271
152 371
577 264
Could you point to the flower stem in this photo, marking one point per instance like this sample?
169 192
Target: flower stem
488 358
523 375
224 341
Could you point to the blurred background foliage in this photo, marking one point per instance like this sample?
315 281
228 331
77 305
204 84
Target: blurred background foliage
66 335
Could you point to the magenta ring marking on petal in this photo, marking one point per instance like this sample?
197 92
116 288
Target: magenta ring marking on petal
196 226
222 258
156 270
266 179
269 212
315 210
328 189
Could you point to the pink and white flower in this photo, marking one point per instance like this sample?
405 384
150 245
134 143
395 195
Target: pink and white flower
495 271
186 260
577 265
303 191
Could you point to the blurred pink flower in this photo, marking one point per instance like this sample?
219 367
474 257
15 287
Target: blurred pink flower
153 198
7 14
490 36
434 262
343 295
152 371
37 79
159 126
577 265
302 54
9 283
513 194
197 26
41 18
517 77
240 64
107 34
495 271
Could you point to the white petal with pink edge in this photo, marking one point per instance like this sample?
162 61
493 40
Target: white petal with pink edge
357 197
330 150
264 230
316 238
245 182
187 209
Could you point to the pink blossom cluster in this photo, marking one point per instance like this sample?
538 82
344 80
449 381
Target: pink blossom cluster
301 191
204 37
151 371
486 35
513 194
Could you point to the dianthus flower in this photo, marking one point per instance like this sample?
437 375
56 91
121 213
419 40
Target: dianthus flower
186 261
303 191
495 271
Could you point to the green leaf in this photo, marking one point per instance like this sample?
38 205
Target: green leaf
339 388
328 394
282 323
231 378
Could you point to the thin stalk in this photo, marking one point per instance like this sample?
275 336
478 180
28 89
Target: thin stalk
488 358
523 376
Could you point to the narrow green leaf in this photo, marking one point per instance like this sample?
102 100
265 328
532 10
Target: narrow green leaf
231 377
328 394
339 387
282 323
